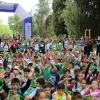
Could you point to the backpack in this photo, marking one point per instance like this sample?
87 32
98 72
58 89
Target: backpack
51 81
20 92
51 96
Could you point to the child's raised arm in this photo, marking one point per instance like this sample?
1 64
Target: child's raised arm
22 74
89 33
70 86
85 92
26 86
4 87
28 82
95 94
85 33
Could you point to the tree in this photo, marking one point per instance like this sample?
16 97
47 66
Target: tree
34 24
82 14
48 26
71 15
58 22
41 14
90 15
15 23
4 29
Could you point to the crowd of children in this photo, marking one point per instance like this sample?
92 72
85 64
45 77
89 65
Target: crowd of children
49 69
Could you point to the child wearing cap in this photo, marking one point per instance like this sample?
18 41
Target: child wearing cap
1 64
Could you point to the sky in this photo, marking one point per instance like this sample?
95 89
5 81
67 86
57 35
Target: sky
26 4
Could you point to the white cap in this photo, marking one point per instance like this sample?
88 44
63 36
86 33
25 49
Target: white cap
29 62
9 66
16 67
1 62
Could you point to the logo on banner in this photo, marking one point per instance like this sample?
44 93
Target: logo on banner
27 29
6 6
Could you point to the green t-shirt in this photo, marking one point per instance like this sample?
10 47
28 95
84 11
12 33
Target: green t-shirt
64 68
0 37
60 45
26 42
46 73
33 84
54 47
7 55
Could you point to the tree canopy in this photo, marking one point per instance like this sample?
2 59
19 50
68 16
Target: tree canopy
15 23
71 15
58 22
42 12
4 29
77 15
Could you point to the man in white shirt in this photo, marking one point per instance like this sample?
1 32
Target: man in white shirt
36 46
66 42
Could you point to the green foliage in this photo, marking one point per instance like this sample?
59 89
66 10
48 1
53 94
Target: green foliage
4 29
34 24
15 23
90 15
58 21
48 26
71 15
41 14
75 16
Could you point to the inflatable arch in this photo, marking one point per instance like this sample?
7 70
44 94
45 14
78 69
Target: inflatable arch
25 16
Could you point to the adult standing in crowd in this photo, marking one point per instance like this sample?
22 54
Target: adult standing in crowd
98 46
86 42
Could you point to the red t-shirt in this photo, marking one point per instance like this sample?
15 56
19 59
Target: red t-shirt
13 45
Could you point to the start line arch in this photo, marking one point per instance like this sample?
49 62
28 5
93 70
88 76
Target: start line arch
24 15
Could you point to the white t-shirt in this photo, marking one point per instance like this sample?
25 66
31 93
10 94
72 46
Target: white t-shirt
36 47
23 44
6 47
47 46
31 44
65 44
1 46
42 45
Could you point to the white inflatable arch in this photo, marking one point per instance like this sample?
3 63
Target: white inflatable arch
24 15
